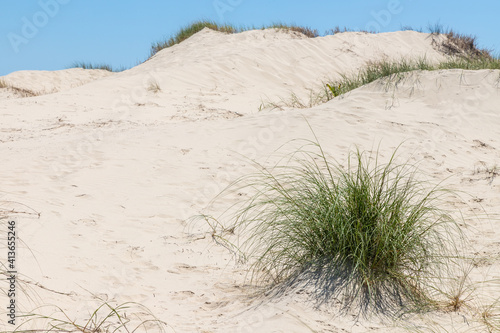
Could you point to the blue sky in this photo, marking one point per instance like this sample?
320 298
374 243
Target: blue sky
52 34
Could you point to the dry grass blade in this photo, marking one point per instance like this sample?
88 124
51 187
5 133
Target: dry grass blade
154 87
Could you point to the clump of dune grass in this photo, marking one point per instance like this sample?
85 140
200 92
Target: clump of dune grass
88 65
22 92
457 44
106 318
307 31
490 316
3 84
188 31
463 45
154 87
338 30
369 233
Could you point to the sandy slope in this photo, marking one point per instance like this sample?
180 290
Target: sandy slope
115 170
47 82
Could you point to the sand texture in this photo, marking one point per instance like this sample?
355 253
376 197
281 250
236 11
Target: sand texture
116 168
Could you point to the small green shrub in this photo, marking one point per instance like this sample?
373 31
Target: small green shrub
371 232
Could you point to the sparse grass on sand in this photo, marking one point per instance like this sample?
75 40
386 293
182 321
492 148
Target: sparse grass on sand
394 70
21 92
105 318
88 65
189 30
309 32
370 234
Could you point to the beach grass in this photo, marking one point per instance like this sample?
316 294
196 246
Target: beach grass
188 31
105 318
89 65
21 92
154 87
394 70
307 31
195 27
371 230
458 44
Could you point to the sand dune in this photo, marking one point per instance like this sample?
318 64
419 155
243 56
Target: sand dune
47 82
115 169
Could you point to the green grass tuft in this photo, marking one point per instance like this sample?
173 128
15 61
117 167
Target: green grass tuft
87 65
311 33
371 232
475 63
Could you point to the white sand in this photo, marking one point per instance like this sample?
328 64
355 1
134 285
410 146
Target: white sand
115 169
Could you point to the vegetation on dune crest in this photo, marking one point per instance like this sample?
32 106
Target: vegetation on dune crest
369 233
188 31
311 33
87 65
457 44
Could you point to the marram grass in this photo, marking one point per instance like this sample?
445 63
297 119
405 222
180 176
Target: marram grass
393 70
88 65
369 233
105 318
195 27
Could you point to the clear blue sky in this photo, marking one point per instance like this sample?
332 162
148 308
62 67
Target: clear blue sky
52 34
